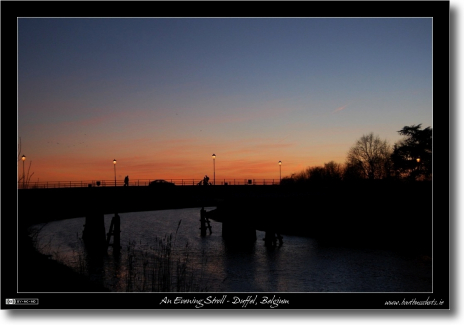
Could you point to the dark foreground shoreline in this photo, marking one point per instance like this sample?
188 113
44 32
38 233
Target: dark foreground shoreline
39 273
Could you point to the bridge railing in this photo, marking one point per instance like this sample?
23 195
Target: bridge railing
144 182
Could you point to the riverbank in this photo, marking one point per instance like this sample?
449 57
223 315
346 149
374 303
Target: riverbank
39 273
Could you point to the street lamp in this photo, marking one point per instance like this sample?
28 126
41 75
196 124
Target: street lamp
214 169
114 163
23 158
280 172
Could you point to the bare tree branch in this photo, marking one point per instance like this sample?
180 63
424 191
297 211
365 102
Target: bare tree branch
370 154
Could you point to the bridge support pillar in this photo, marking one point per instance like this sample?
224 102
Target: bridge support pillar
204 223
94 231
115 231
271 238
237 230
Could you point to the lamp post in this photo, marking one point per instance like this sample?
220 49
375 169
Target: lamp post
280 171
23 158
114 163
214 169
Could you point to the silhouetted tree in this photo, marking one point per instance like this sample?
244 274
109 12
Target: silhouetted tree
302 177
333 171
330 172
412 156
315 174
353 171
287 180
370 157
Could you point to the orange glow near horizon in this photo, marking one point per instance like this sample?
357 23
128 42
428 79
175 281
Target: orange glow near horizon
169 157
80 169
161 108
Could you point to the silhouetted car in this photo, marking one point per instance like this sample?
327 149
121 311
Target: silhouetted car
161 183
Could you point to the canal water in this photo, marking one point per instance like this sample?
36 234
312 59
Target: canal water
163 251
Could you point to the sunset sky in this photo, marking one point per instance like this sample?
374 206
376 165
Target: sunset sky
161 95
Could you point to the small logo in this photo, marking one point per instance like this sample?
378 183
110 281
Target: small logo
23 301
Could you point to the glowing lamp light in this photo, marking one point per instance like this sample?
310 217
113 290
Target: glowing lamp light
23 158
214 169
114 163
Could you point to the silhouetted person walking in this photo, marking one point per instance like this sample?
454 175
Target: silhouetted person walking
126 181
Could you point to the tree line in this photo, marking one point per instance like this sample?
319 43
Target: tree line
371 158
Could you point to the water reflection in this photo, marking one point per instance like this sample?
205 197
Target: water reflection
158 254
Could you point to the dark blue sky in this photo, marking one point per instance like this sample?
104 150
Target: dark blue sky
169 92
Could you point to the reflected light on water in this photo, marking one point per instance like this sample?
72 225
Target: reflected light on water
154 244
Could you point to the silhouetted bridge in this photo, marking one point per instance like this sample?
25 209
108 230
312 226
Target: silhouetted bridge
38 205
145 182
41 205
386 212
